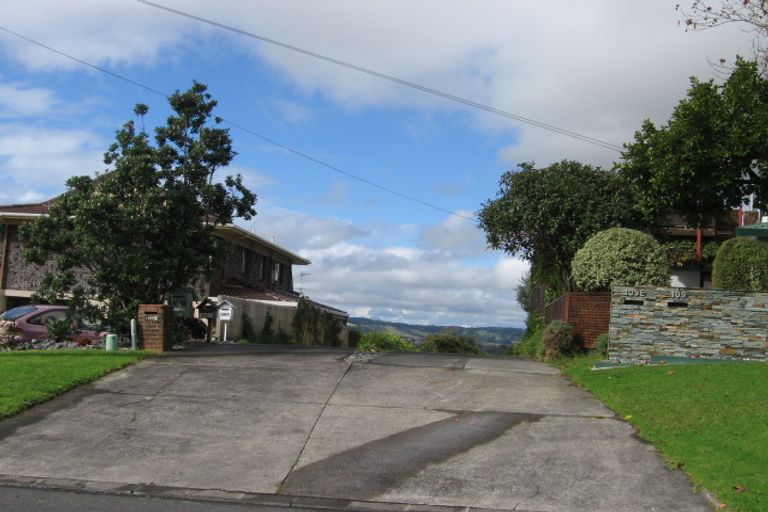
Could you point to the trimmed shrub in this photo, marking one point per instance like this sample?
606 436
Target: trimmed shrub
450 343
557 338
601 344
381 341
620 256
741 264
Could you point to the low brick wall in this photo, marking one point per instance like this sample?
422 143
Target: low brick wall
651 321
588 313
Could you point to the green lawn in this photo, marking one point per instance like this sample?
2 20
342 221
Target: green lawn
709 420
30 377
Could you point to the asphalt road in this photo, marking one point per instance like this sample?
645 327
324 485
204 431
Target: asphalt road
293 425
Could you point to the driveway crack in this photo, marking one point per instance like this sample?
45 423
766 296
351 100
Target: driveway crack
314 426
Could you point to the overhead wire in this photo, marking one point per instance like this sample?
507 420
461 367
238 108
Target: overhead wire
391 78
243 128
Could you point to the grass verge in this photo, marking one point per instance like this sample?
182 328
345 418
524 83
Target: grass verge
30 377
709 420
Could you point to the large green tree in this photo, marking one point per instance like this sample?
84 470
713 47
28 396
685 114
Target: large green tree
545 215
710 155
144 226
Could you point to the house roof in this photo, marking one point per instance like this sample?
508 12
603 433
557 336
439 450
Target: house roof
240 236
230 232
759 230
276 297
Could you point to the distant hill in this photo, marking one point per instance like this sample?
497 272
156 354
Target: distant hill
492 339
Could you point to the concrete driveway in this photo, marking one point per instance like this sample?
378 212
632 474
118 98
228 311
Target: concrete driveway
305 427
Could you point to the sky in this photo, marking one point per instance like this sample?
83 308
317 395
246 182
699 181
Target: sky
595 67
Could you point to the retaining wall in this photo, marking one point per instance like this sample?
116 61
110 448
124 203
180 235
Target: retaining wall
685 322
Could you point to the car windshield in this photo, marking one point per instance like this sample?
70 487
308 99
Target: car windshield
13 314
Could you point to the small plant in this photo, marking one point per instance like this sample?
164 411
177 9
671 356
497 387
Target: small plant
267 329
282 337
381 341
59 329
451 343
248 332
557 338
196 328
530 345
186 328
601 344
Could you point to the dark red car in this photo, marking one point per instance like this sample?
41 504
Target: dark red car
32 321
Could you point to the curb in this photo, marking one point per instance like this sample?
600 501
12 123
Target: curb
224 496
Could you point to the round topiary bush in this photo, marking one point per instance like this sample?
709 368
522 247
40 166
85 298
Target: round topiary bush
741 264
620 256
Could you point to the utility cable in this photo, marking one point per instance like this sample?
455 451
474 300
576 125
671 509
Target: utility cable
391 78
243 128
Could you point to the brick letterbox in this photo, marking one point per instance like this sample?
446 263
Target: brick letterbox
156 327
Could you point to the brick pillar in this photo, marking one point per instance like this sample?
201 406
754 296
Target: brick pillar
156 327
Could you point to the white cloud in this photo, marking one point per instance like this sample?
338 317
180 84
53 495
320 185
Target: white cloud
596 67
292 112
18 101
397 282
107 33
296 230
456 236
47 157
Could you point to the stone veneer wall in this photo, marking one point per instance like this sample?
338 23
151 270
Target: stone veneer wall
650 321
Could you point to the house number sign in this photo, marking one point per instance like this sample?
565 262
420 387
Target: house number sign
676 294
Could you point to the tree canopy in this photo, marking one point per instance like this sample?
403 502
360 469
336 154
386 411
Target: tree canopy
710 155
752 14
144 226
545 215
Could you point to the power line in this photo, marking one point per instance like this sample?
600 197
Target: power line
242 128
391 78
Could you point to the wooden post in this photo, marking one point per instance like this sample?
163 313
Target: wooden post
699 256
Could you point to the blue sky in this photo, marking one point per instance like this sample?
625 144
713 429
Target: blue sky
597 68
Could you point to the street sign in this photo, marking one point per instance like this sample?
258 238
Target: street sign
225 313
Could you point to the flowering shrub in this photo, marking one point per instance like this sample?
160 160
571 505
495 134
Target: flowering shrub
9 333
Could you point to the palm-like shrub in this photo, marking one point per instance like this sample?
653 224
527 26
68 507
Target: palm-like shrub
620 256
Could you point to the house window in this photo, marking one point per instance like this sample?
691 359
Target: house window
259 267
276 273
244 269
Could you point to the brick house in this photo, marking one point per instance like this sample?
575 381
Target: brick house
256 276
